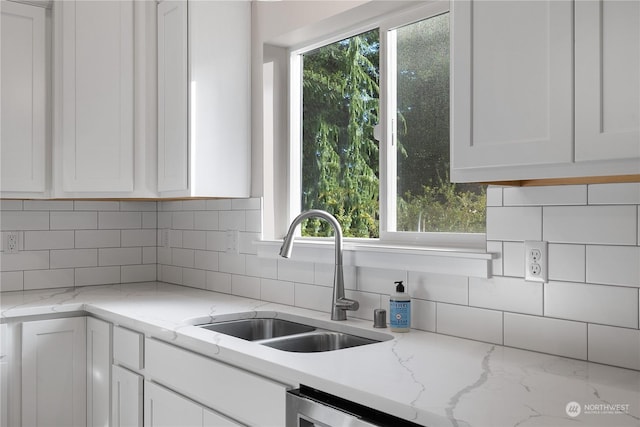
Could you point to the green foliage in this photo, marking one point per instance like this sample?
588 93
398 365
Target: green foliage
445 207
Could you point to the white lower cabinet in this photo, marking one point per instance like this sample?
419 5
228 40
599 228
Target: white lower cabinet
164 408
54 372
238 394
126 400
98 373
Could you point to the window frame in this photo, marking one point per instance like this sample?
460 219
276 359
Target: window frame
388 170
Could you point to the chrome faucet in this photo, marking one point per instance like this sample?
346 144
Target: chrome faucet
340 303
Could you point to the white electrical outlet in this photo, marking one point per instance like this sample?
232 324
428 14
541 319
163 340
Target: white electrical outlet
164 238
233 246
11 243
535 261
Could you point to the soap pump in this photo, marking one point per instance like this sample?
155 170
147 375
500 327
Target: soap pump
400 309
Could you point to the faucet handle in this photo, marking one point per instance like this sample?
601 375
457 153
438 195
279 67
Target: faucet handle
347 304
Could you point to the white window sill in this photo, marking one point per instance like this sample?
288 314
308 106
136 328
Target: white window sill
462 262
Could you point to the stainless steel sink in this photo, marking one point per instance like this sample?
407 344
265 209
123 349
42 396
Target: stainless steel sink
293 333
258 329
319 340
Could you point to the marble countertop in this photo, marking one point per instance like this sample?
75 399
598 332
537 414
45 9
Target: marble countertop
428 378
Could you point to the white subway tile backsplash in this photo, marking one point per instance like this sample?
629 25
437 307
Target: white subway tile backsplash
246 204
219 205
232 263
609 305
43 279
469 322
206 260
219 282
149 255
494 196
149 220
138 273
97 276
138 205
604 225
206 220
514 223
614 346
11 281
245 286
423 315
216 241
25 260
164 220
561 337
614 194
381 281
246 245
21 220
296 271
119 256
74 220
254 221
34 240
232 220
97 238
183 220
171 274
194 278
139 238
170 206
194 239
164 256
313 297
506 294
10 205
121 220
566 262
324 274
183 257
438 287
91 205
497 262
68 258
175 238
614 265
277 291
513 259
48 205
194 205
536 196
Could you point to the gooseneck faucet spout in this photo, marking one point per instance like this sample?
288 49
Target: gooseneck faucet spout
340 303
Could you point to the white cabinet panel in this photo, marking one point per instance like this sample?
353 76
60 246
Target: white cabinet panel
23 139
97 95
98 373
172 96
54 372
128 347
127 401
241 395
512 78
204 98
212 419
607 79
167 409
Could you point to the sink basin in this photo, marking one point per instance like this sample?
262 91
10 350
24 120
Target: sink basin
258 329
292 333
316 341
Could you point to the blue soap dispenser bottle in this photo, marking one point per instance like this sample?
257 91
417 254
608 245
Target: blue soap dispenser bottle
400 309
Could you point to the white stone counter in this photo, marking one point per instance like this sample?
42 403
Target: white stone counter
428 378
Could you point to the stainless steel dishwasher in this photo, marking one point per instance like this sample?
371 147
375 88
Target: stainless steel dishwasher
308 407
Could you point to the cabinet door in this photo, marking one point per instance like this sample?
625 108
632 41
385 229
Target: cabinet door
213 419
607 79
97 95
512 82
126 397
172 96
98 373
163 408
24 101
54 372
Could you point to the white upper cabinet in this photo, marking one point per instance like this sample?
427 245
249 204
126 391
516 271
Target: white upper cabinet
512 82
204 102
101 142
607 79
24 135
515 89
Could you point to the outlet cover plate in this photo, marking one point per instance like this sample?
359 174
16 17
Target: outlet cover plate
535 261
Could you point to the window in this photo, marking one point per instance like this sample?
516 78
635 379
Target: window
392 183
